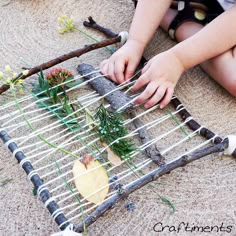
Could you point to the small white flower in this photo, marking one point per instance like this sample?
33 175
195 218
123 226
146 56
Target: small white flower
25 72
8 69
8 81
60 19
14 75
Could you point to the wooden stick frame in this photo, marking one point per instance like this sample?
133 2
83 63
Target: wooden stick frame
219 145
162 169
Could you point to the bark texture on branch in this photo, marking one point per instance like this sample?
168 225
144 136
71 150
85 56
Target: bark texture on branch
152 151
103 86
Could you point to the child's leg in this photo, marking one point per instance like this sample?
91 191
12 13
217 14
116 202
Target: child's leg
221 68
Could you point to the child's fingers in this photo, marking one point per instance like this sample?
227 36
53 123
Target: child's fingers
104 70
143 80
129 71
147 93
146 67
103 67
111 70
159 94
103 63
167 98
119 71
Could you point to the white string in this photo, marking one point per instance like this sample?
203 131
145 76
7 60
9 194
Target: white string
51 199
22 162
15 151
159 120
89 100
27 113
128 170
144 146
151 142
118 87
74 136
179 142
62 145
85 211
124 37
8 143
129 134
32 120
42 144
31 174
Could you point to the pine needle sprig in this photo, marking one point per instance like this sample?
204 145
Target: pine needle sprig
110 129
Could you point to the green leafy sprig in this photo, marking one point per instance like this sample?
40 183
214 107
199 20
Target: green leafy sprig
63 110
111 130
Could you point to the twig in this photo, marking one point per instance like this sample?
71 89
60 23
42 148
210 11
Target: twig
192 124
151 151
60 59
91 23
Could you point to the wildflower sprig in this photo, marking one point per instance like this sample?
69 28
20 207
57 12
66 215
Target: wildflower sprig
58 76
53 86
67 24
12 78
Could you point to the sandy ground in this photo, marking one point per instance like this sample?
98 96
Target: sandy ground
202 192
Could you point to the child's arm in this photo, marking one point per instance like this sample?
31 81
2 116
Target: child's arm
122 64
147 18
214 39
163 71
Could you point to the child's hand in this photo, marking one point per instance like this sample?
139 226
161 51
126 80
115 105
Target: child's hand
122 64
160 75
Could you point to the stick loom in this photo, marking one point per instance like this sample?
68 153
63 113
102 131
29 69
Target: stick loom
119 101
47 152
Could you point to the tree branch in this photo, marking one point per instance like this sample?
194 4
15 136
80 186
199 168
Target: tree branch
60 59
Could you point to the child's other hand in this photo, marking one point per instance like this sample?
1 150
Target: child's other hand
160 75
122 64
